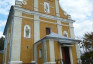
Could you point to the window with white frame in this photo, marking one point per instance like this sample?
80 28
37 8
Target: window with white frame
65 34
27 30
46 7
40 53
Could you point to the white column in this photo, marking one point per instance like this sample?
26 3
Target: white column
36 28
52 52
16 44
35 53
72 30
44 52
61 53
57 7
59 27
35 5
70 53
73 36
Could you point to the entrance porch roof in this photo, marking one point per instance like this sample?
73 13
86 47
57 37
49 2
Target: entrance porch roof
60 39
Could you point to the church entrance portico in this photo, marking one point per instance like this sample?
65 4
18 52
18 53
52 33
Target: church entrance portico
55 49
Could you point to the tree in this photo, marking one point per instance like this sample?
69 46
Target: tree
88 41
2 43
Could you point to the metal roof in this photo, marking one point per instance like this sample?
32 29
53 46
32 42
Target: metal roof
60 39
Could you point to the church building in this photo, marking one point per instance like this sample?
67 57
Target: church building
40 32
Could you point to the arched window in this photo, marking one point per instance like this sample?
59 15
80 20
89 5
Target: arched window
27 31
65 34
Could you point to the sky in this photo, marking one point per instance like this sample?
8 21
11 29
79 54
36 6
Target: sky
80 10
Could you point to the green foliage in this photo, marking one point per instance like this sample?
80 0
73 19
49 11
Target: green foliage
1 43
87 55
88 40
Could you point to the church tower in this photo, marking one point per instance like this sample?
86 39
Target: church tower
40 32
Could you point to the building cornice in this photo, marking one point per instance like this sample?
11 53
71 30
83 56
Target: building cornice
30 12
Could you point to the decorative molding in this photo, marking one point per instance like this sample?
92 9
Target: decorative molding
44 21
42 14
24 2
41 4
51 7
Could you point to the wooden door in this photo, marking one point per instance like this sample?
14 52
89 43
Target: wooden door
65 55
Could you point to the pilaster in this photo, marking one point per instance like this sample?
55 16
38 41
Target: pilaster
52 52
59 26
57 7
35 5
44 52
36 28
16 43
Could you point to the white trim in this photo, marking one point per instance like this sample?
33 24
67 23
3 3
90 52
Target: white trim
50 63
52 52
44 51
16 44
35 53
59 27
71 30
61 53
43 21
29 28
57 7
40 53
70 53
15 62
65 34
35 5
78 52
30 12
46 3
36 28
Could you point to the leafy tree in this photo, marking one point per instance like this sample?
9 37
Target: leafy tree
2 43
87 55
88 41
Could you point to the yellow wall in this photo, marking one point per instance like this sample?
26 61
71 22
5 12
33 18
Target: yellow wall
27 53
57 51
61 13
65 28
51 4
1 58
39 60
74 54
29 5
43 26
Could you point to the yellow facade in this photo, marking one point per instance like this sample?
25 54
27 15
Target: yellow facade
52 7
39 60
27 43
65 27
1 58
29 5
44 25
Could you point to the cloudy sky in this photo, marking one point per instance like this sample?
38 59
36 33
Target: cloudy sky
80 10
